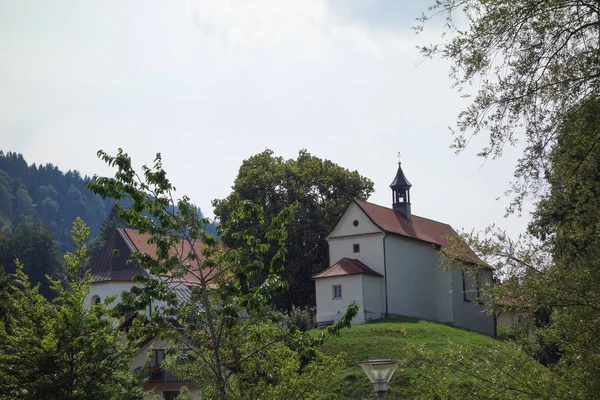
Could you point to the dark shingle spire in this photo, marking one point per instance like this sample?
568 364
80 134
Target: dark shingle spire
401 193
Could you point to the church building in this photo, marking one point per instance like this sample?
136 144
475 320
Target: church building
389 261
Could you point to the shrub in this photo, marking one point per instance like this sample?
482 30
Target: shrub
299 318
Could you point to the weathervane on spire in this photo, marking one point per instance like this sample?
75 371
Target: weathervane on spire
399 157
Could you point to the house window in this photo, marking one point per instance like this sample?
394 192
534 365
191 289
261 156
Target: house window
156 358
170 394
336 292
356 248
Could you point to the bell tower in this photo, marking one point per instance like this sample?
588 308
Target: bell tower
401 193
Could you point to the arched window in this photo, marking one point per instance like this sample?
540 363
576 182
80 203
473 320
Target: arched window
95 300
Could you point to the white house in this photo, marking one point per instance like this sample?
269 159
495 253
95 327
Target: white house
388 260
113 274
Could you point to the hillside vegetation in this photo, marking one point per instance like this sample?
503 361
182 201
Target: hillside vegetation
404 339
38 205
46 194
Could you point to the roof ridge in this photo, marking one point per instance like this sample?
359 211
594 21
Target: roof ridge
357 267
418 216
127 238
434 220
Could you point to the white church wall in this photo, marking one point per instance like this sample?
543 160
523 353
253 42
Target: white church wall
373 297
471 314
330 309
412 275
443 287
370 250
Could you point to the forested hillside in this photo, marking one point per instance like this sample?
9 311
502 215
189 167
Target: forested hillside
50 196
38 205
47 194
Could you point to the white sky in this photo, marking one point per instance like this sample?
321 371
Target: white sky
210 83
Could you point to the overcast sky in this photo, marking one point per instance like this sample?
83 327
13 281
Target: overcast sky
210 83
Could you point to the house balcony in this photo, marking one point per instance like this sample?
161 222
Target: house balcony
157 375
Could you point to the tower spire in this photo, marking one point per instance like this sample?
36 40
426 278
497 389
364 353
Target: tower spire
401 192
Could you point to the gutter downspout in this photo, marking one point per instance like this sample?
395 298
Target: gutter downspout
496 324
385 277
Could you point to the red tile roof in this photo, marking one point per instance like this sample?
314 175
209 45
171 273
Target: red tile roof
422 229
140 243
346 266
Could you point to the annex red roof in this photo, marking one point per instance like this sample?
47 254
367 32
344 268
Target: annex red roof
346 266
140 243
422 229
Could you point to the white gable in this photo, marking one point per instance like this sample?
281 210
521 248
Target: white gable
353 222
103 289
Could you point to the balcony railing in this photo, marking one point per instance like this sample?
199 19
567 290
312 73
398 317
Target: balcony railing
160 375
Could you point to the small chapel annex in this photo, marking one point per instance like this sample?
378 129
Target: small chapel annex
388 260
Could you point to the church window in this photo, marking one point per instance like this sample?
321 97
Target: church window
336 291
478 283
355 222
466 292
356 248
95 300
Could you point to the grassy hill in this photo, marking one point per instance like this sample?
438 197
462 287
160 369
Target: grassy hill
398 339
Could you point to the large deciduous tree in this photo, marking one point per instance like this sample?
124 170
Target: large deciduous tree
539 68
525 64
567 221
551 277
215 305
320 189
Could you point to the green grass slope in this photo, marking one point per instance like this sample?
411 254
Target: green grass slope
396 339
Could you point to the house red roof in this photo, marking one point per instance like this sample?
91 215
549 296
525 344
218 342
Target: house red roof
346 266
422 229
140 243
